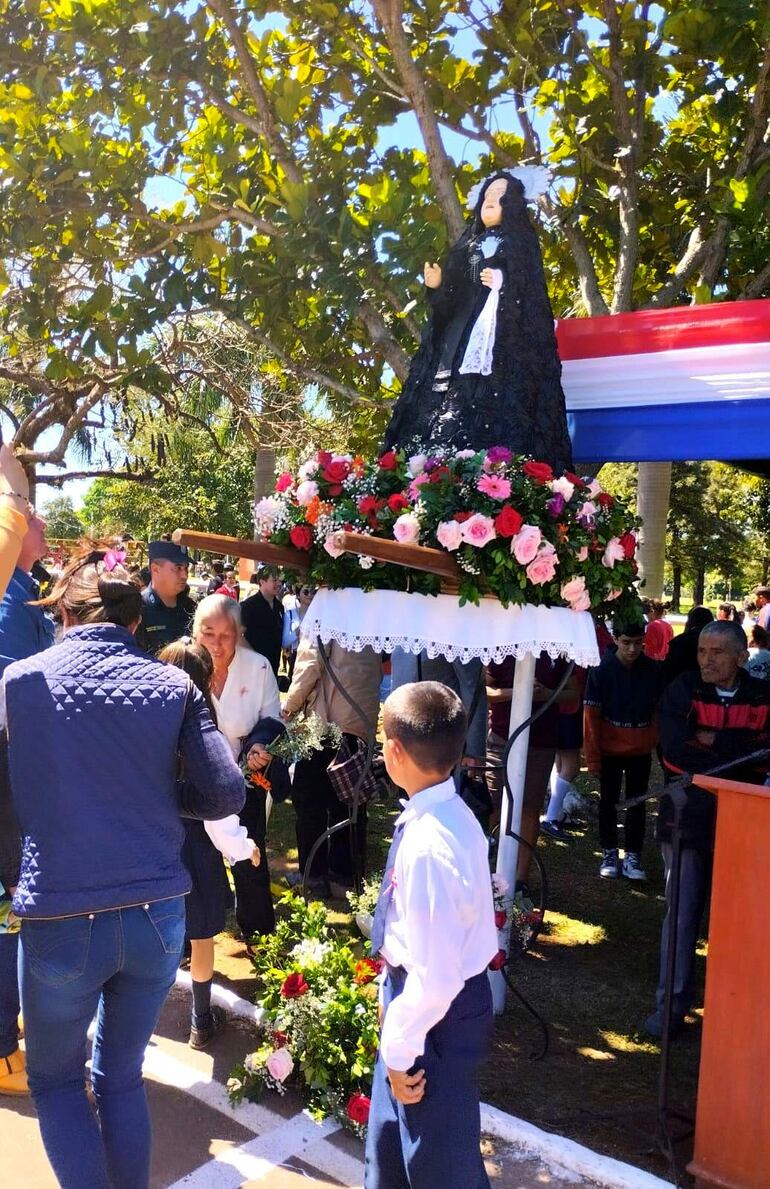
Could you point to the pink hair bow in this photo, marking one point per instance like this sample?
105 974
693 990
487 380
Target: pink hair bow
113 558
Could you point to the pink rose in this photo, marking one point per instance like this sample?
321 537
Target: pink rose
576 594
543 567
284 481
478 530
525 544
494 486
416 484
407 528
582 553
583 603
308 469
563 487
614 552
594 488
449 534
416 464
587 511
332 549
306 492
280 1064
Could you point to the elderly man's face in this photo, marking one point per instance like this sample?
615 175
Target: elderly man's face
168 579
719 659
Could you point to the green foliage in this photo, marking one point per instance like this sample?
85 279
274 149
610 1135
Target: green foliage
62 521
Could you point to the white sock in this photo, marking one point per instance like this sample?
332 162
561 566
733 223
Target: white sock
556 802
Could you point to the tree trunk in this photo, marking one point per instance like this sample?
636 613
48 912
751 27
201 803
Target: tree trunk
264 473
699 587
676 596
765 570
653 491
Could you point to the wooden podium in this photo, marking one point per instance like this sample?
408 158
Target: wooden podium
732 1130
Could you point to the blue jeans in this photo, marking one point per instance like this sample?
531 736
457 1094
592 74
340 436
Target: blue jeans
9 993
119 965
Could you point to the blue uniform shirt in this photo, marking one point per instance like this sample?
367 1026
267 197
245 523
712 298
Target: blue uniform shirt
24 630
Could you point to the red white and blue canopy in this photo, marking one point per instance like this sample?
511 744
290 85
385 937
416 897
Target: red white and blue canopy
686 383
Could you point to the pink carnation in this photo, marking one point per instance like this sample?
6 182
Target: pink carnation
494 486
575 593
478 530
525 544
543 567
306 492
407 528
416 484
284 481
614 552
449 534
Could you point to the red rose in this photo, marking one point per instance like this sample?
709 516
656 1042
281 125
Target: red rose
323 458
539 471
508 521
301 536
575 480
284 481
605 500
335 490
358 1108
438 473
366 970
335 472
388 461
461 517
397 503
499 960
500 918
368 505
280 1040
294 986
628 541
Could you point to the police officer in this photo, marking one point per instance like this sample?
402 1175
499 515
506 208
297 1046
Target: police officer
167 608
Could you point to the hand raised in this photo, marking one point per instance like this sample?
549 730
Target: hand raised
432 275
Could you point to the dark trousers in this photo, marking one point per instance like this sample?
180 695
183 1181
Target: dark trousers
318 807
254 910
9 993
694 882
434 1143
637 774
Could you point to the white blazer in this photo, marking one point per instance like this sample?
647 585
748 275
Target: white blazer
250 693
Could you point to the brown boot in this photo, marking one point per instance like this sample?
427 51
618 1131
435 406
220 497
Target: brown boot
13 1074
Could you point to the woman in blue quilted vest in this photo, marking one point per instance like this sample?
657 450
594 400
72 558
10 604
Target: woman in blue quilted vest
95 728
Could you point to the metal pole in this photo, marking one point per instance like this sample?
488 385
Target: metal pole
508 849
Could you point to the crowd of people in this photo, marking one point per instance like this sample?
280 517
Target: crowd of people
134 759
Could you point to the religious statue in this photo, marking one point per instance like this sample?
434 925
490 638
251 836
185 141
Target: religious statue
487 372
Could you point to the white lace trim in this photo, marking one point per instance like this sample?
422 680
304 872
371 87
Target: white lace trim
487 654
477 360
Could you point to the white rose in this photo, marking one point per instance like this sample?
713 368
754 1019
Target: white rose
308 469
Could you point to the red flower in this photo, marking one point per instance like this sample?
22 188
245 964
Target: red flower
335 472
294 986
575 479
605 500
280 1040
301 536
499 960
366 970
369 505
628 541
438 473
500 918
539 471
388 461
397 503
323 458
461 517
508 521
358 1108
284 481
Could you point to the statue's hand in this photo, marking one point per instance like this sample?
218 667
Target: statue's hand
432 275
491 277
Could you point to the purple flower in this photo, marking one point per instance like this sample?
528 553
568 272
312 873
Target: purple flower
499 454
432 463
556 505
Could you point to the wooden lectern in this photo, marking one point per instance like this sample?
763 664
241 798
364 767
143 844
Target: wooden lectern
732 1130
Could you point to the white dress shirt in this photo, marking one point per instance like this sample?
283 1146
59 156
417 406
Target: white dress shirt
440 923
250 693
230 838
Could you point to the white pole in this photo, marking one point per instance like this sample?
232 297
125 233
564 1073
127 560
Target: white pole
508 848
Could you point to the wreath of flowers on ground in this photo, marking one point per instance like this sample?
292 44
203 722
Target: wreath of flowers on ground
517 531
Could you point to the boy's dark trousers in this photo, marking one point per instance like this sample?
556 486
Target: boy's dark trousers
637 773
434 1143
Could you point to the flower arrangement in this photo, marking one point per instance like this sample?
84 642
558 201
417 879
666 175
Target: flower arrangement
319 1001
302 736
516 914
517 531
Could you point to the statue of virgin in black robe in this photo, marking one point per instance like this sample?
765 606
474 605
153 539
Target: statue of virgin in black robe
487 372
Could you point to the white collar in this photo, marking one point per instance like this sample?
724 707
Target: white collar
421 802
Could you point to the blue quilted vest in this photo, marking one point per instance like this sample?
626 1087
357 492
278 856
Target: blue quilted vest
93 731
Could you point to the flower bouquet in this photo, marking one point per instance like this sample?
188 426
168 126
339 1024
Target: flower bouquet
516 531
319 1002
304 734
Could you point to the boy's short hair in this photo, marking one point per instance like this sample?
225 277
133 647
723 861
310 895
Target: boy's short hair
628 627
430 723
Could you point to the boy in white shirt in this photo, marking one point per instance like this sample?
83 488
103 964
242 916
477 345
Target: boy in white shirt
434 926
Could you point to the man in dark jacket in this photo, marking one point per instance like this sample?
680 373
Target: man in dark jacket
167 609
262 617
706 719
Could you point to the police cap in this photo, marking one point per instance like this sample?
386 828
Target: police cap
168 551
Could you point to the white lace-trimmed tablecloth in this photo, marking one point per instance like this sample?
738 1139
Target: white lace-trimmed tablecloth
390 619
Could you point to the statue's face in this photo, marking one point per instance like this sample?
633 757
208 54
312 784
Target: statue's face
491 210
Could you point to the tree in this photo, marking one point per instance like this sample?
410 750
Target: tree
62 521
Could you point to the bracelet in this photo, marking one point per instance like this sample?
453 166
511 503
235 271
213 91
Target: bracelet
16 495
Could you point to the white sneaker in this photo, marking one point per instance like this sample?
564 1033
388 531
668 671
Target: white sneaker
608 868
632 868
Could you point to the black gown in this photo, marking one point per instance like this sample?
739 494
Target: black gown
521 403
